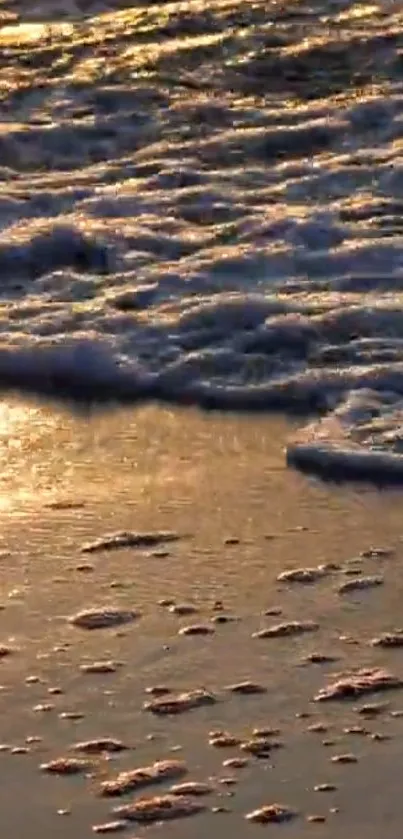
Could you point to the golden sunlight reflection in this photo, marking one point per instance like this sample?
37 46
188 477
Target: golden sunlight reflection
52 456
22 428
26 33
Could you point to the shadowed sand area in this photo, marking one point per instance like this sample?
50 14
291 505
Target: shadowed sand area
220 484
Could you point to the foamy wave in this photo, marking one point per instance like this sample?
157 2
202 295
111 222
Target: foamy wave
204 206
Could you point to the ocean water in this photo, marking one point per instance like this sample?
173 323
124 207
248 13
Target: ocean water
201 202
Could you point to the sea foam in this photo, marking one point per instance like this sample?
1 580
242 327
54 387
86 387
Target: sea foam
204 206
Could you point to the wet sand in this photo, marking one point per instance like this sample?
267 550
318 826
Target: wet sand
220 484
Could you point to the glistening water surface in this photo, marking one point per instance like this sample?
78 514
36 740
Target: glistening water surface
220 484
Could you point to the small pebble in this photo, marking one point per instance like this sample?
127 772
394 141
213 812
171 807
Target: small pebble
283 630
260 746
265 732
346 758
191 788
355 729
222 619
320 658
157 690
43 707
99 746
325 788
235 763
372 709
271 813
160 808
111 827
389 639
246 688
302 575
183 609
223 740
100 667
66 766
181 702
129 781
377 553
360 583
196 629
102 618
362 682
127 539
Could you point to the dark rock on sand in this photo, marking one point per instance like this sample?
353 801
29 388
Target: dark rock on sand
99 667
129 539
162 808
66 766
180 702
182 609
345 758
100 746
320 658
360 583
197 629
372 709
235 763
163 770
276 813
111 827
282 630
196 788
157 690
102 618
389 639
223 740
246 688
302 575
260 746
325 788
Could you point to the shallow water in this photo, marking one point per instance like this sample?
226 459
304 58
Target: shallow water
221 483
201 203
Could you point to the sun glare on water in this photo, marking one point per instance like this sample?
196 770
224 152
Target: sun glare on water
26 33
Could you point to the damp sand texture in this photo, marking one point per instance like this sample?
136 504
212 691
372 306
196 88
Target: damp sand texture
290 713
201 203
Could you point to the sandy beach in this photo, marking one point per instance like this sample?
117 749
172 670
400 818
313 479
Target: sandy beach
221 484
